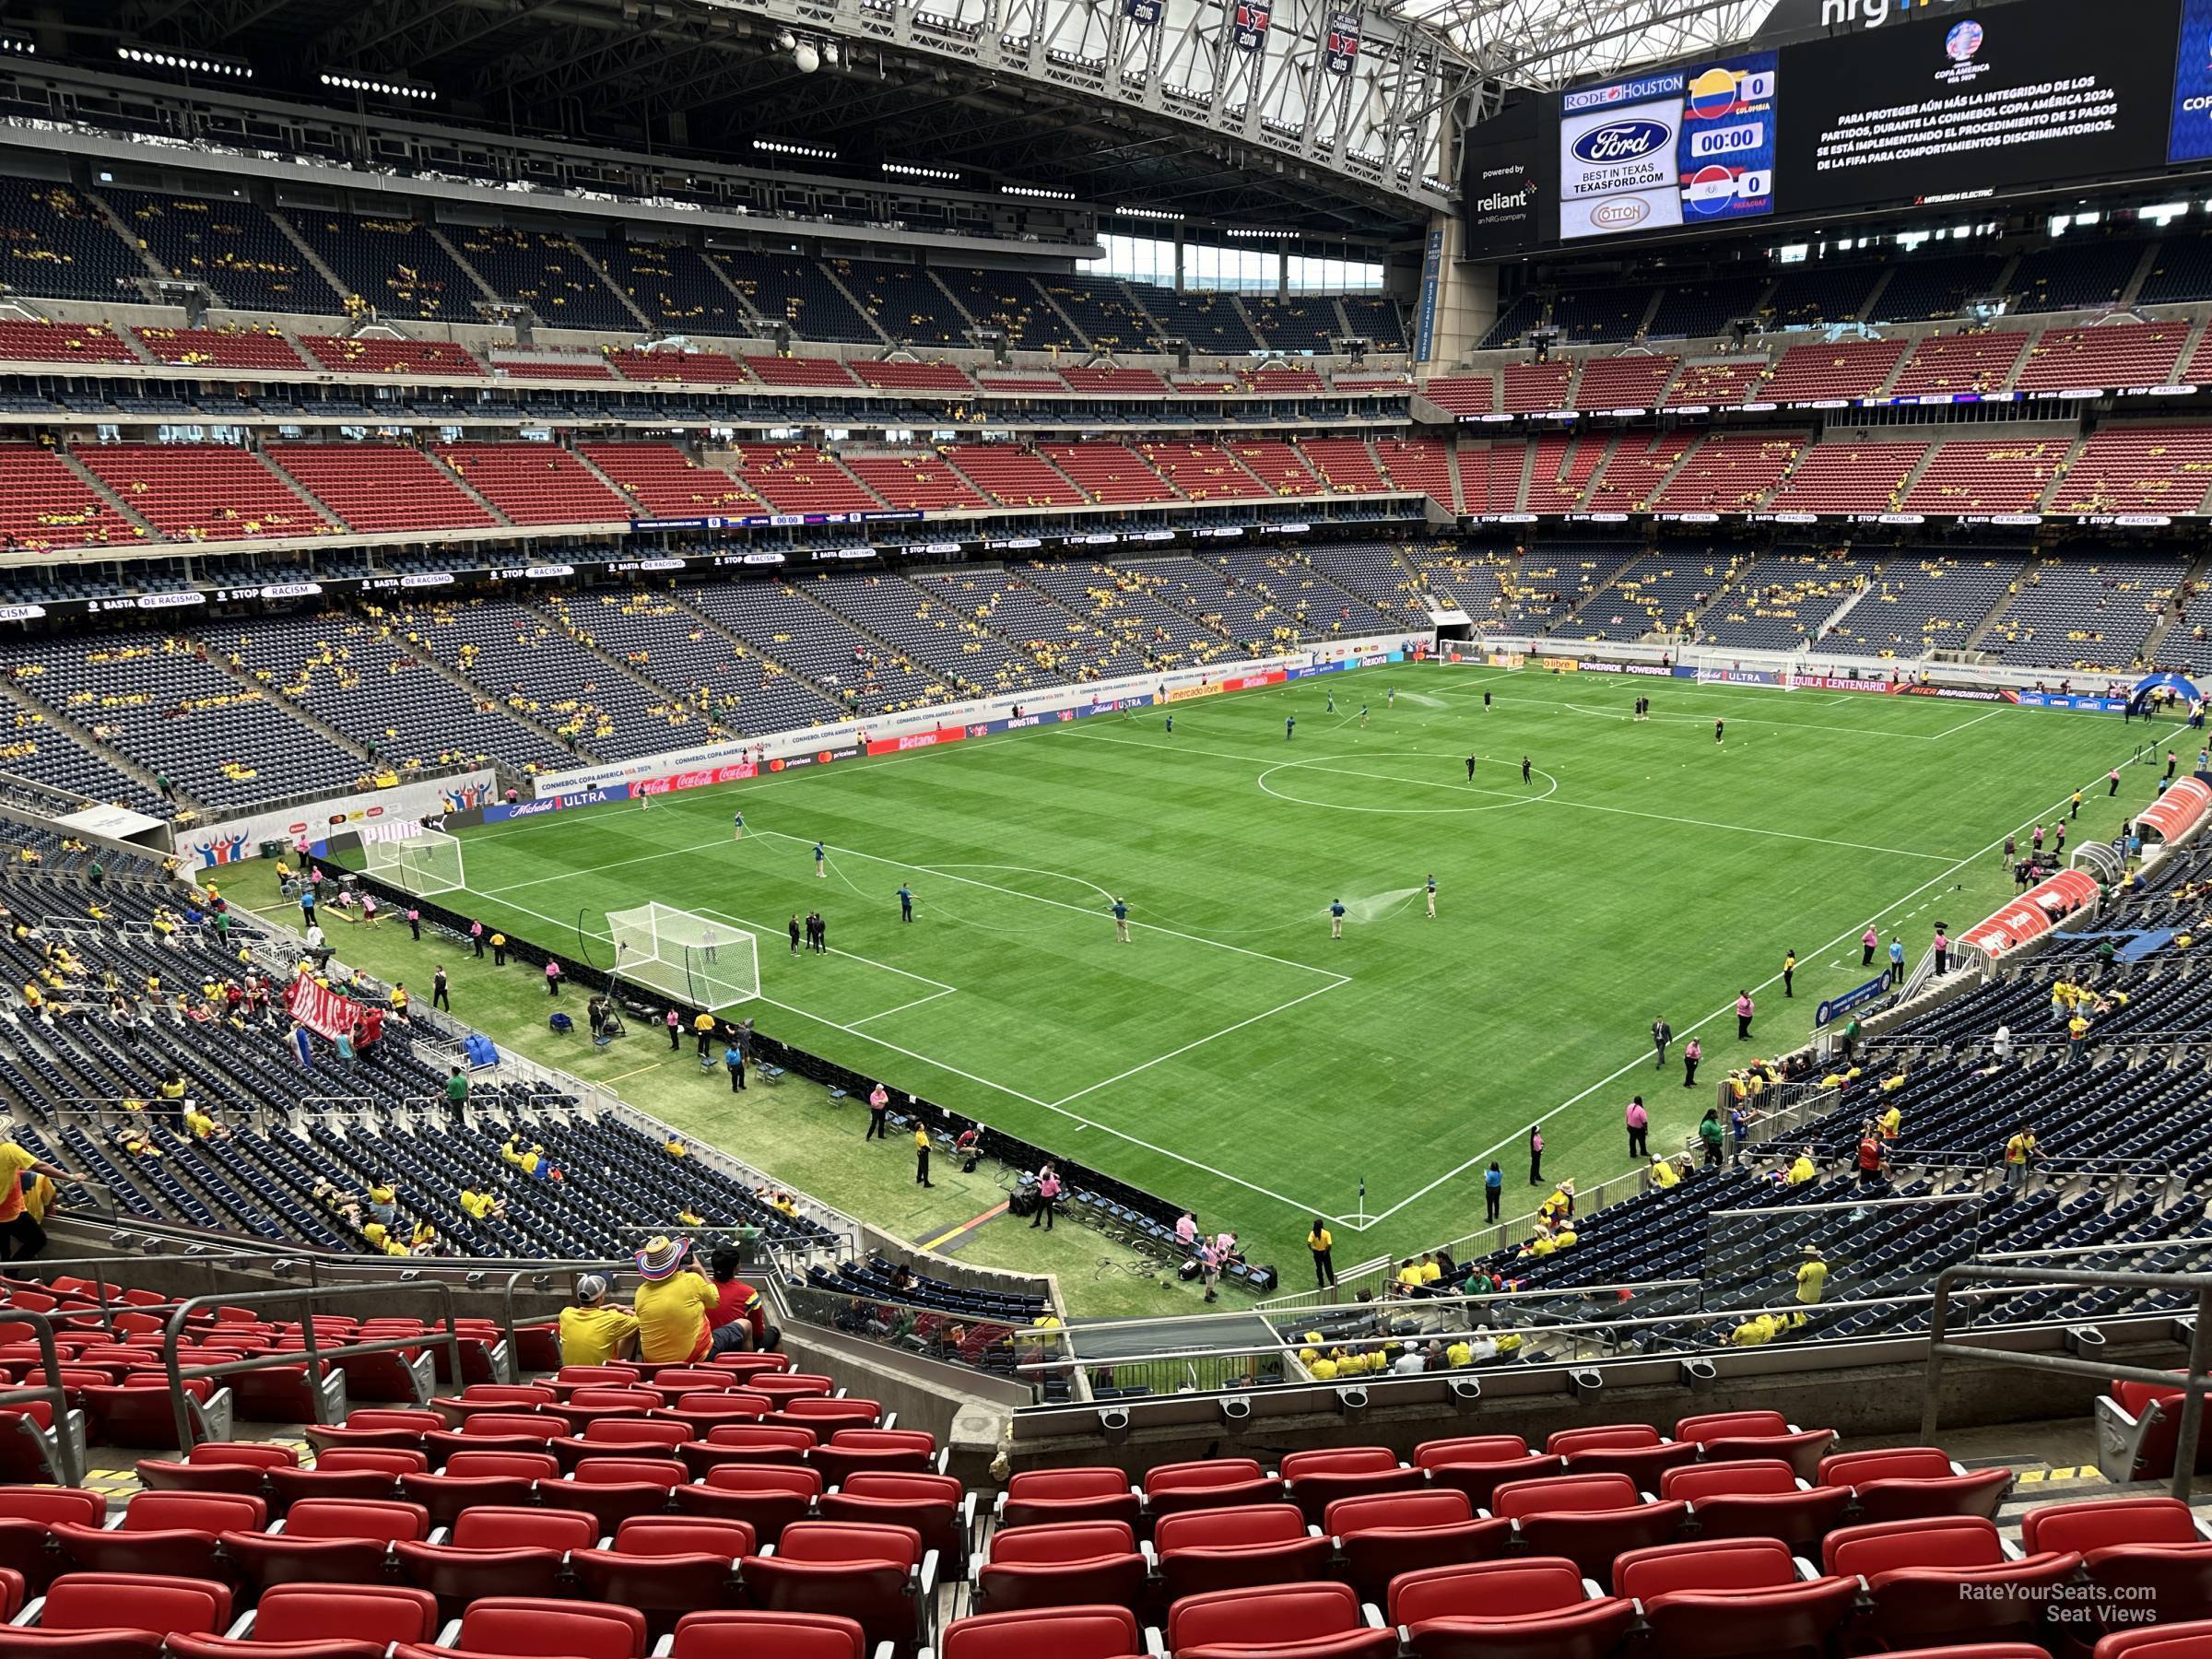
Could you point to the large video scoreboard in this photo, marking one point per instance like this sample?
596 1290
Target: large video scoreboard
1965 104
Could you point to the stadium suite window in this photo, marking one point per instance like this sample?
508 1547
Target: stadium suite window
1249 270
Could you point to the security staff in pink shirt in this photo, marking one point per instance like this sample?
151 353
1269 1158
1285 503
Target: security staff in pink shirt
1745 1008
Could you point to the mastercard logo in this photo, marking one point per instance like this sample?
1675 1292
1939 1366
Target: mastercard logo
1712 92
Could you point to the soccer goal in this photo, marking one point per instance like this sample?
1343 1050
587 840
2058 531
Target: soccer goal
422 861
707 962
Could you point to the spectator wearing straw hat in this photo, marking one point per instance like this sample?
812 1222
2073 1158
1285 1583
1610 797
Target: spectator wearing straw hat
673 1306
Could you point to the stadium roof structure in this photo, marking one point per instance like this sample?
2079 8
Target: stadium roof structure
1168 107
1545 44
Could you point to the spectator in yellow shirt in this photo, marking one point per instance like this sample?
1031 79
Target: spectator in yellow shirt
1802 1171
673 1304
1812 1275
592 1333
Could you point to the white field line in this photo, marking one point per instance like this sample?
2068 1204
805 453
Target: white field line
1643 1060
902 1007
1977 719
1547 800
852 1029
1085 910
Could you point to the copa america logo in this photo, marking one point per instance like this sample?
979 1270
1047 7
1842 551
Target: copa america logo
1963 40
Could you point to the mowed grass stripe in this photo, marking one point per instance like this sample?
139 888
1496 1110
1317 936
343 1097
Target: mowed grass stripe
1561 932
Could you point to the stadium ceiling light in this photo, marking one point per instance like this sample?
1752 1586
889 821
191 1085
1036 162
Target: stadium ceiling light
1038 192
1252 235
192 62
1148 213
18 44
378 86
783 147
912 169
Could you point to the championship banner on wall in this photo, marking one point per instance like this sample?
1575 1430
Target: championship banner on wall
1343 49
1250 24
319 1008
1145 12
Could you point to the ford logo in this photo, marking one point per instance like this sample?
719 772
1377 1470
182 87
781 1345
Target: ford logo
1622 141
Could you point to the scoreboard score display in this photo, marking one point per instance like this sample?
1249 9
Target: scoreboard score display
1959 104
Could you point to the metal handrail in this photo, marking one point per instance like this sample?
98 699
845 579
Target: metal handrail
314 1354
52 1392
2194 1382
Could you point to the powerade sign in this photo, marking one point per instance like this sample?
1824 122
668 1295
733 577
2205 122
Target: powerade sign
1689 146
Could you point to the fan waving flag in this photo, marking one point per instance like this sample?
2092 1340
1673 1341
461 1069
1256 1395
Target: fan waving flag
1250 25
1343 49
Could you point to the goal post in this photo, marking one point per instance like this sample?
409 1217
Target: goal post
423 862
708 962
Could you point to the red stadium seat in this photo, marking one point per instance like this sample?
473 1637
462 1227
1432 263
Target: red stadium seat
933 1505
1204 1551
494 1480
493 1396
2149 1557
1076 1563
498 1552
322 1622
785 1386
768 1497
1290 1621
753 1634
2167 1642
1062 1633
172 1534
1527 1608
370 1472
524 1626
891 1451
614 1488
2144 1420
620 1436
742 1444
27 1514
1316 1479
878 1575
1944 1576
585 1407
1755 1497
666 1566
117 1616
1035 1497
1732 1598
400 1429
1731 1436
1907 1482
825 1415
216 1467
1391 1533
327 1541
1636 1450
700 1412
1478 1465
1219 1483
1588 1518
495 1432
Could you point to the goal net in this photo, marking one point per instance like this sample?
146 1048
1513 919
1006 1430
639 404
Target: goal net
704 960
422 861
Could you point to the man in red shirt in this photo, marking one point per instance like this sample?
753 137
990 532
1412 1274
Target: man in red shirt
1870 1156
739 1321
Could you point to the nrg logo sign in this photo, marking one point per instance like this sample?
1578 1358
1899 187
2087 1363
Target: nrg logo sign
1869 13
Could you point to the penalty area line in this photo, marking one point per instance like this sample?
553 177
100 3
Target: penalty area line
1017 1094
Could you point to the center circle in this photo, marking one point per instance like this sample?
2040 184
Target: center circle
1551 785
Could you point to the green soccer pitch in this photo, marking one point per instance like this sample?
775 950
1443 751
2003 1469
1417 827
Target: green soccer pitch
1235 1057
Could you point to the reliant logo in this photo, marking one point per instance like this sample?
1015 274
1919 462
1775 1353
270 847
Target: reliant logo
1497 203
1622 141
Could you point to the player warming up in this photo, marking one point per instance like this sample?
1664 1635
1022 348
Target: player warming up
1431 883
1470 768
1289 726
1718 727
